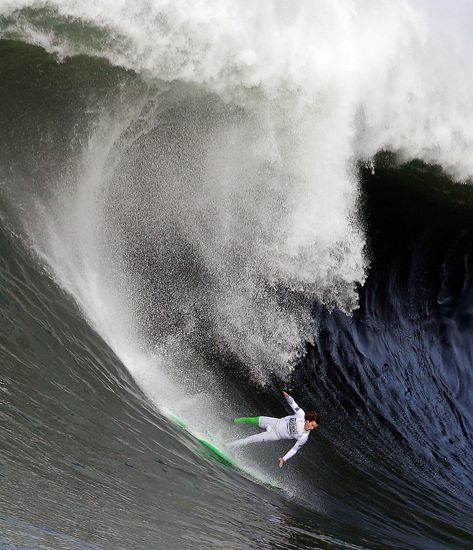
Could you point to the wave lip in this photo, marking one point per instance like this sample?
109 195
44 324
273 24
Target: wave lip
391 69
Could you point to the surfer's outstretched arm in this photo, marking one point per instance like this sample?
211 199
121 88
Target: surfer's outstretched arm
294 449
294 406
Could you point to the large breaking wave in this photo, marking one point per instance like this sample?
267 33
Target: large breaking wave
197 176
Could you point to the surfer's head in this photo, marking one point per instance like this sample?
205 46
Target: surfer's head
312 420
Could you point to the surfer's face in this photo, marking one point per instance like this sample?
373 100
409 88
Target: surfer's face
310 425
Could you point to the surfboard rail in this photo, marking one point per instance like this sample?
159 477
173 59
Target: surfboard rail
214 453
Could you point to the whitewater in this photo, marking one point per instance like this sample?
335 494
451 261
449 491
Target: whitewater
209 183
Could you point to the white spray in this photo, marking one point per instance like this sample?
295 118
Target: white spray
270 104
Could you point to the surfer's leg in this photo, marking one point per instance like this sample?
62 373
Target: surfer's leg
247 420
267 422
257 438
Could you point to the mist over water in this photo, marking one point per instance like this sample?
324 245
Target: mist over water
191 177
241 149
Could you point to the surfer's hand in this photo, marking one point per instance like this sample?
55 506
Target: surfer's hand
281 462
286 395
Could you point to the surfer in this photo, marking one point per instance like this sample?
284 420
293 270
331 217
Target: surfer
296 426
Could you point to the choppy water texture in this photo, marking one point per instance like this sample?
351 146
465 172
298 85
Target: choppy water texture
201 205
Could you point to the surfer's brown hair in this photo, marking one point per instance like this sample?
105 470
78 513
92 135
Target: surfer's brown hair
312 416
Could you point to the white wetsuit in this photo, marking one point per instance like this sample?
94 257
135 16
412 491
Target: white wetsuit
288 427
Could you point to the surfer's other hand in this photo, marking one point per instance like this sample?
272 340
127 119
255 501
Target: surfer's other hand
281 462
286 395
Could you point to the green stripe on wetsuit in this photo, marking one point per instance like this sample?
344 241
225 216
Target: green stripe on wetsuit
247 420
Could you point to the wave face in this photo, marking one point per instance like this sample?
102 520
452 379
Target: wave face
395 378
202 182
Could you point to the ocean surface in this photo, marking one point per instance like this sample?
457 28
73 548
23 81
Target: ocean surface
203 204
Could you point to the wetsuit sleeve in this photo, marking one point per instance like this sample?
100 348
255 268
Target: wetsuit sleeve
295 407
296 447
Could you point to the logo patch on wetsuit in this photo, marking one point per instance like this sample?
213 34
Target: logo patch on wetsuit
292 427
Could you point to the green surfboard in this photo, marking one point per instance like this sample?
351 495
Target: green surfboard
214 453
211 450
